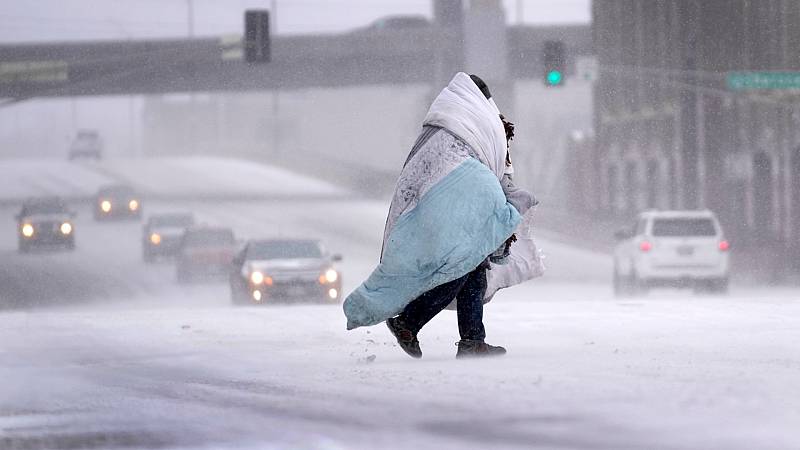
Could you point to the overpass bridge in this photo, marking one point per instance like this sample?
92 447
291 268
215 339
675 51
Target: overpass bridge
365 57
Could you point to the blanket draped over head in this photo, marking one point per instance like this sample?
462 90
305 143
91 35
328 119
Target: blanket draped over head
448 212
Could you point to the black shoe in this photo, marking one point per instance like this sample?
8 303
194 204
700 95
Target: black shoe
405 337
477 349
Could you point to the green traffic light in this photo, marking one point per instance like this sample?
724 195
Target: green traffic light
554 77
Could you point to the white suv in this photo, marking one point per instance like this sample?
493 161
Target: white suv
671 248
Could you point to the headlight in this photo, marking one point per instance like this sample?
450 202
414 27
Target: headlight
331 276
155 238
133 205
333 293
66 228
257 296
27 230
256 277
105 205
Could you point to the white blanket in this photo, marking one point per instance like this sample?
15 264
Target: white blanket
462 109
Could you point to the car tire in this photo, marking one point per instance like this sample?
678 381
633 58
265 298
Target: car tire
623 286
148 257
618 284
183 275
638 286
715 286
24 247
721 286
237 296
70 245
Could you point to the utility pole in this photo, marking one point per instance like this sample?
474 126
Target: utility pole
190 17
276 99
192 140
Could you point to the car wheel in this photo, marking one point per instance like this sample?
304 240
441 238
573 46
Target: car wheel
24 247
618 283
638 286
237 295
715 286
624 286
148 257
70 245
720 286
183 275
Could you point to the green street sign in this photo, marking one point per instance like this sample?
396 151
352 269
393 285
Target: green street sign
749 81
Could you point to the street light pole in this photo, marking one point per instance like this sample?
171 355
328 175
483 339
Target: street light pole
190 17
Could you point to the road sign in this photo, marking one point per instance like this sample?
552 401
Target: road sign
33 71
748 81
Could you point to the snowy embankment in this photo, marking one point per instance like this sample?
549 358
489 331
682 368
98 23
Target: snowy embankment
23 178
197 178
214 178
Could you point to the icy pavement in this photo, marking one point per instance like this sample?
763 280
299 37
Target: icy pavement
583 371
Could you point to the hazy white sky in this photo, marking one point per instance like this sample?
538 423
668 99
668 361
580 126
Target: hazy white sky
51 20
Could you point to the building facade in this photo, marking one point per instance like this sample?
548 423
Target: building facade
670 133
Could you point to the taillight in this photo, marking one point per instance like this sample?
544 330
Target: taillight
645 246
724 246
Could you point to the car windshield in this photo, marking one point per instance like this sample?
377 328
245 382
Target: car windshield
684 227
284 250
209 238
44 206
177 220
117 191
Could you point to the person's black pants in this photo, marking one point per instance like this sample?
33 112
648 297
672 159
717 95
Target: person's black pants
469 290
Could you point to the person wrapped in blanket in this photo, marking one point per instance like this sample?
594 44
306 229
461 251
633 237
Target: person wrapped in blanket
452 225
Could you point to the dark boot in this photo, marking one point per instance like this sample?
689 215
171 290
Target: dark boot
477 349
406 338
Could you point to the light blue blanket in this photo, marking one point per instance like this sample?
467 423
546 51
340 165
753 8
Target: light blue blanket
451 230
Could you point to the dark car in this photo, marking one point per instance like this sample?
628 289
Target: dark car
117 202
87 144
45 222
205 251
298 270
162 234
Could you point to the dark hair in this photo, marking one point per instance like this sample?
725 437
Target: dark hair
481 85
509 128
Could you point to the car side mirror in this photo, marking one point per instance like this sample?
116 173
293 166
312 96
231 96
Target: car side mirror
622 234
336 258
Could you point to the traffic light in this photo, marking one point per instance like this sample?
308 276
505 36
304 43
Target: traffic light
256 36
554 62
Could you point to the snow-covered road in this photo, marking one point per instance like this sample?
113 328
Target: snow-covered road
98 350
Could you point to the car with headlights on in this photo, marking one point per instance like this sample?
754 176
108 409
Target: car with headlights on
45 222
117 202
205 251
671 248
162 234
285 270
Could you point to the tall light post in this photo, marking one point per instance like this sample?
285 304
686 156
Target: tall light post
190 17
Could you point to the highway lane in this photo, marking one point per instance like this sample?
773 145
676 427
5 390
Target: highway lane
100 350
106 266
